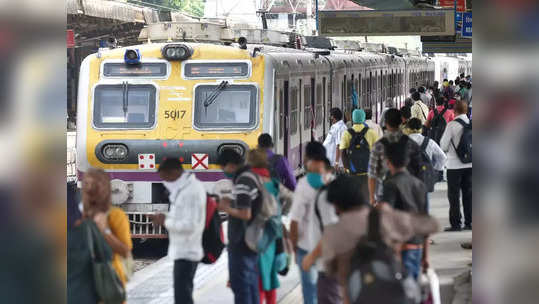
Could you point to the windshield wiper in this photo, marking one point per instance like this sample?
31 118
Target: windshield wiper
214 94
125 98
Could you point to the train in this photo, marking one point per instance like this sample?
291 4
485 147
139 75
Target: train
189 100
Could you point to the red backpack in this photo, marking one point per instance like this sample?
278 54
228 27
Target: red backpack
212 238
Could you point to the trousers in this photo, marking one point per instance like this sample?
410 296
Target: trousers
308 279
459 181
184 273
243 272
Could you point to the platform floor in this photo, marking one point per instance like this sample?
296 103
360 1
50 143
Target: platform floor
153 284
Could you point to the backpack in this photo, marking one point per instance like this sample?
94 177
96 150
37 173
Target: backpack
437 126
376 275
212 238
429 175
415 164
265 227
272 163
359 151
464 149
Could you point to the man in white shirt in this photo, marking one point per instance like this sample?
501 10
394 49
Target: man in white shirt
389 104
419 109
459 174
309 214
424 95
434 152
338 127
372 125
185 224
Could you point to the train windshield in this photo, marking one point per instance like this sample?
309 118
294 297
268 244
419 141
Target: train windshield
124 106
233 107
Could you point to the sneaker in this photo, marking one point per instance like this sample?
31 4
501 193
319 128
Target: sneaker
467 245
452 229
468 227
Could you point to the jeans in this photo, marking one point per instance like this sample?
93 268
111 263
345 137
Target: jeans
184 273
308 279
243 272
459 180
411 260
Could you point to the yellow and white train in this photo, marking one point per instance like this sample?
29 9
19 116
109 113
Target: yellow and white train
138 105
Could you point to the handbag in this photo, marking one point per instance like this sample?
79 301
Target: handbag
109 288
128 264
430 288
266 225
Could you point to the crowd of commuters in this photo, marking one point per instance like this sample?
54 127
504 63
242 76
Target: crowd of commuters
359 173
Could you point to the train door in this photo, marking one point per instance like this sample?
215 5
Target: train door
299 126
325 115
312 112
285 119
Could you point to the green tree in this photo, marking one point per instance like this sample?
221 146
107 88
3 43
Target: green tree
191 7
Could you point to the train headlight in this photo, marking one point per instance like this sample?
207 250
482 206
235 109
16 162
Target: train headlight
176 51
115 152
238 148
132 56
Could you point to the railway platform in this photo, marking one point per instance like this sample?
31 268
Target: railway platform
153 284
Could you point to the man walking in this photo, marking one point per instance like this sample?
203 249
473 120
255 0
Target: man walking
185 224
377 163
309 214
242 261
419 109
278 164
372 125
331 143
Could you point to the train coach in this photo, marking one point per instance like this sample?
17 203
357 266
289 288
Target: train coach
141 104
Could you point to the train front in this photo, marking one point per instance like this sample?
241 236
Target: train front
139 105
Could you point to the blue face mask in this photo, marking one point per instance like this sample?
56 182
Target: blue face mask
315 180
228 175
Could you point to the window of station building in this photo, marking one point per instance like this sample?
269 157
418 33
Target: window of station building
124 106
144 69
293 110
216 69
234 107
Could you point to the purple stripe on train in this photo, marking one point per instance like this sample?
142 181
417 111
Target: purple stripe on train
142 176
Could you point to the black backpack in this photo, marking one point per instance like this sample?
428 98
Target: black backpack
429 175
437 126
376 275
212 237
464 149
359 151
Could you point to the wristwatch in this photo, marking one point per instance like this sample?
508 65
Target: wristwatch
107 231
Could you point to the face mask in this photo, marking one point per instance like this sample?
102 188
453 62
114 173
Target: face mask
315 180
172 186
228 175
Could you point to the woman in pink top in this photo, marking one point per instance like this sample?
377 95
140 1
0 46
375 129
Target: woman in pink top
449 115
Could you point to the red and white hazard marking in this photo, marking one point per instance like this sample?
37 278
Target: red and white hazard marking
146 161
199 161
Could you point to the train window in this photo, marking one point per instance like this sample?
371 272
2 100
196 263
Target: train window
307 112
144 69
293 110
124 106
319 113
232 106
215 69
